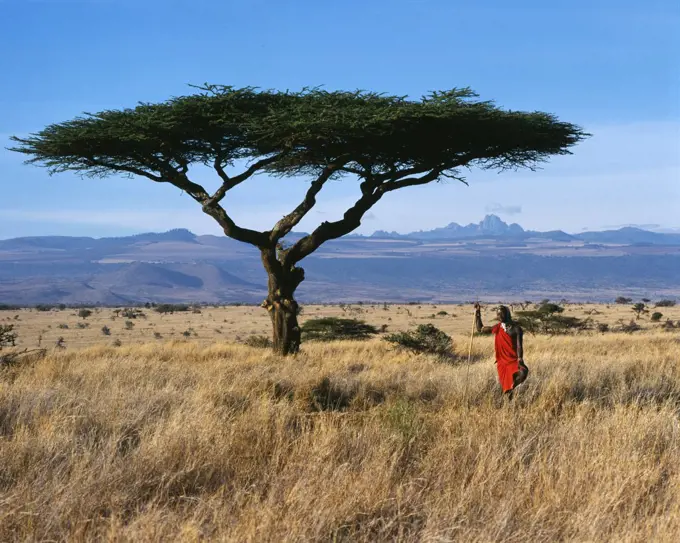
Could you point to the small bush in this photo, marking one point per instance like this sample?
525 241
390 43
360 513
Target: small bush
623 300
334 328
132 313
442 313
665 303
261 342
84 313
157 335
656 316
63 326
547 319
43 307
117 343
171 308
60 343
82 325
668 325
106 330
129 325
7 335
602 327
629 328
426 338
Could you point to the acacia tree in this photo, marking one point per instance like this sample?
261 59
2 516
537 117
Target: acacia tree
386 142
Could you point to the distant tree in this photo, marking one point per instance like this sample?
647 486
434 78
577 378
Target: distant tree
639 308
646 300
387 142
623 300
665 303
84 313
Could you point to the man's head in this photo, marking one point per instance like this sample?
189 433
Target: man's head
503 313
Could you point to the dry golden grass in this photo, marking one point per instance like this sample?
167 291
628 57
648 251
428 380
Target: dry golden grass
218 324
346 441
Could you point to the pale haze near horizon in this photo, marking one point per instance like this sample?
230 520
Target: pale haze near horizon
610 67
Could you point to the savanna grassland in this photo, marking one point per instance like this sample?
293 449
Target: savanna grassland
200 438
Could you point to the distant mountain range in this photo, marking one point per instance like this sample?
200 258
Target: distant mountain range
492 226
491 259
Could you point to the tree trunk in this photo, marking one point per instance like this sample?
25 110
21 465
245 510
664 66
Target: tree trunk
281 304
286 336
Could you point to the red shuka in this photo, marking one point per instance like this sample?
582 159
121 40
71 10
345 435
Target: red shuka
507 362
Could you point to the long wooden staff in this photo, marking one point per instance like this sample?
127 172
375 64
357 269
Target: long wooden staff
472 337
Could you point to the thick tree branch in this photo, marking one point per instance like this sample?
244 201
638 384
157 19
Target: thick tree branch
372 191
410 181
229 183
287 223
331 230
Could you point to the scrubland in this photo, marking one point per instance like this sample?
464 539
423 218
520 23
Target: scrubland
179 440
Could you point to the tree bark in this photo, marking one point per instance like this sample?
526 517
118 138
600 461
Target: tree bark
280 303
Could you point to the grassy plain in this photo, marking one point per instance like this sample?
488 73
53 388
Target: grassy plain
235 323
198 439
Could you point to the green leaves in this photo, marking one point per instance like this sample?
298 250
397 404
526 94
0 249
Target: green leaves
372 133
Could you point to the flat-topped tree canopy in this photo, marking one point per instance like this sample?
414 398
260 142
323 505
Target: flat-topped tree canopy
388 142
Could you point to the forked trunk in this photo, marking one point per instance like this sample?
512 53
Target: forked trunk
281 304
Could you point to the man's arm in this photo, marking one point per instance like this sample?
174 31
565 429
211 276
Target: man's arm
479 326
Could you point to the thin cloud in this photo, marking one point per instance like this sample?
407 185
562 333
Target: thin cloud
504 210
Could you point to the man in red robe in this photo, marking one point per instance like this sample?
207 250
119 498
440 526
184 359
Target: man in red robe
512 371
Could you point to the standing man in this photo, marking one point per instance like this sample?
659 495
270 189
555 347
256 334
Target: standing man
512 371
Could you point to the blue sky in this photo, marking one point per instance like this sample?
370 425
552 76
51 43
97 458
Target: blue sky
610 66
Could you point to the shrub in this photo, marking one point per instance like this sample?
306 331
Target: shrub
656 316
117 343
171 308
623 300
84 313
547 319
8 336
106 330
665 303
157 335
602 327
63 326
43 307
82 325
334 328
426 338
132 313
629 328
442 313
129 325
60 343
262 342
8 307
